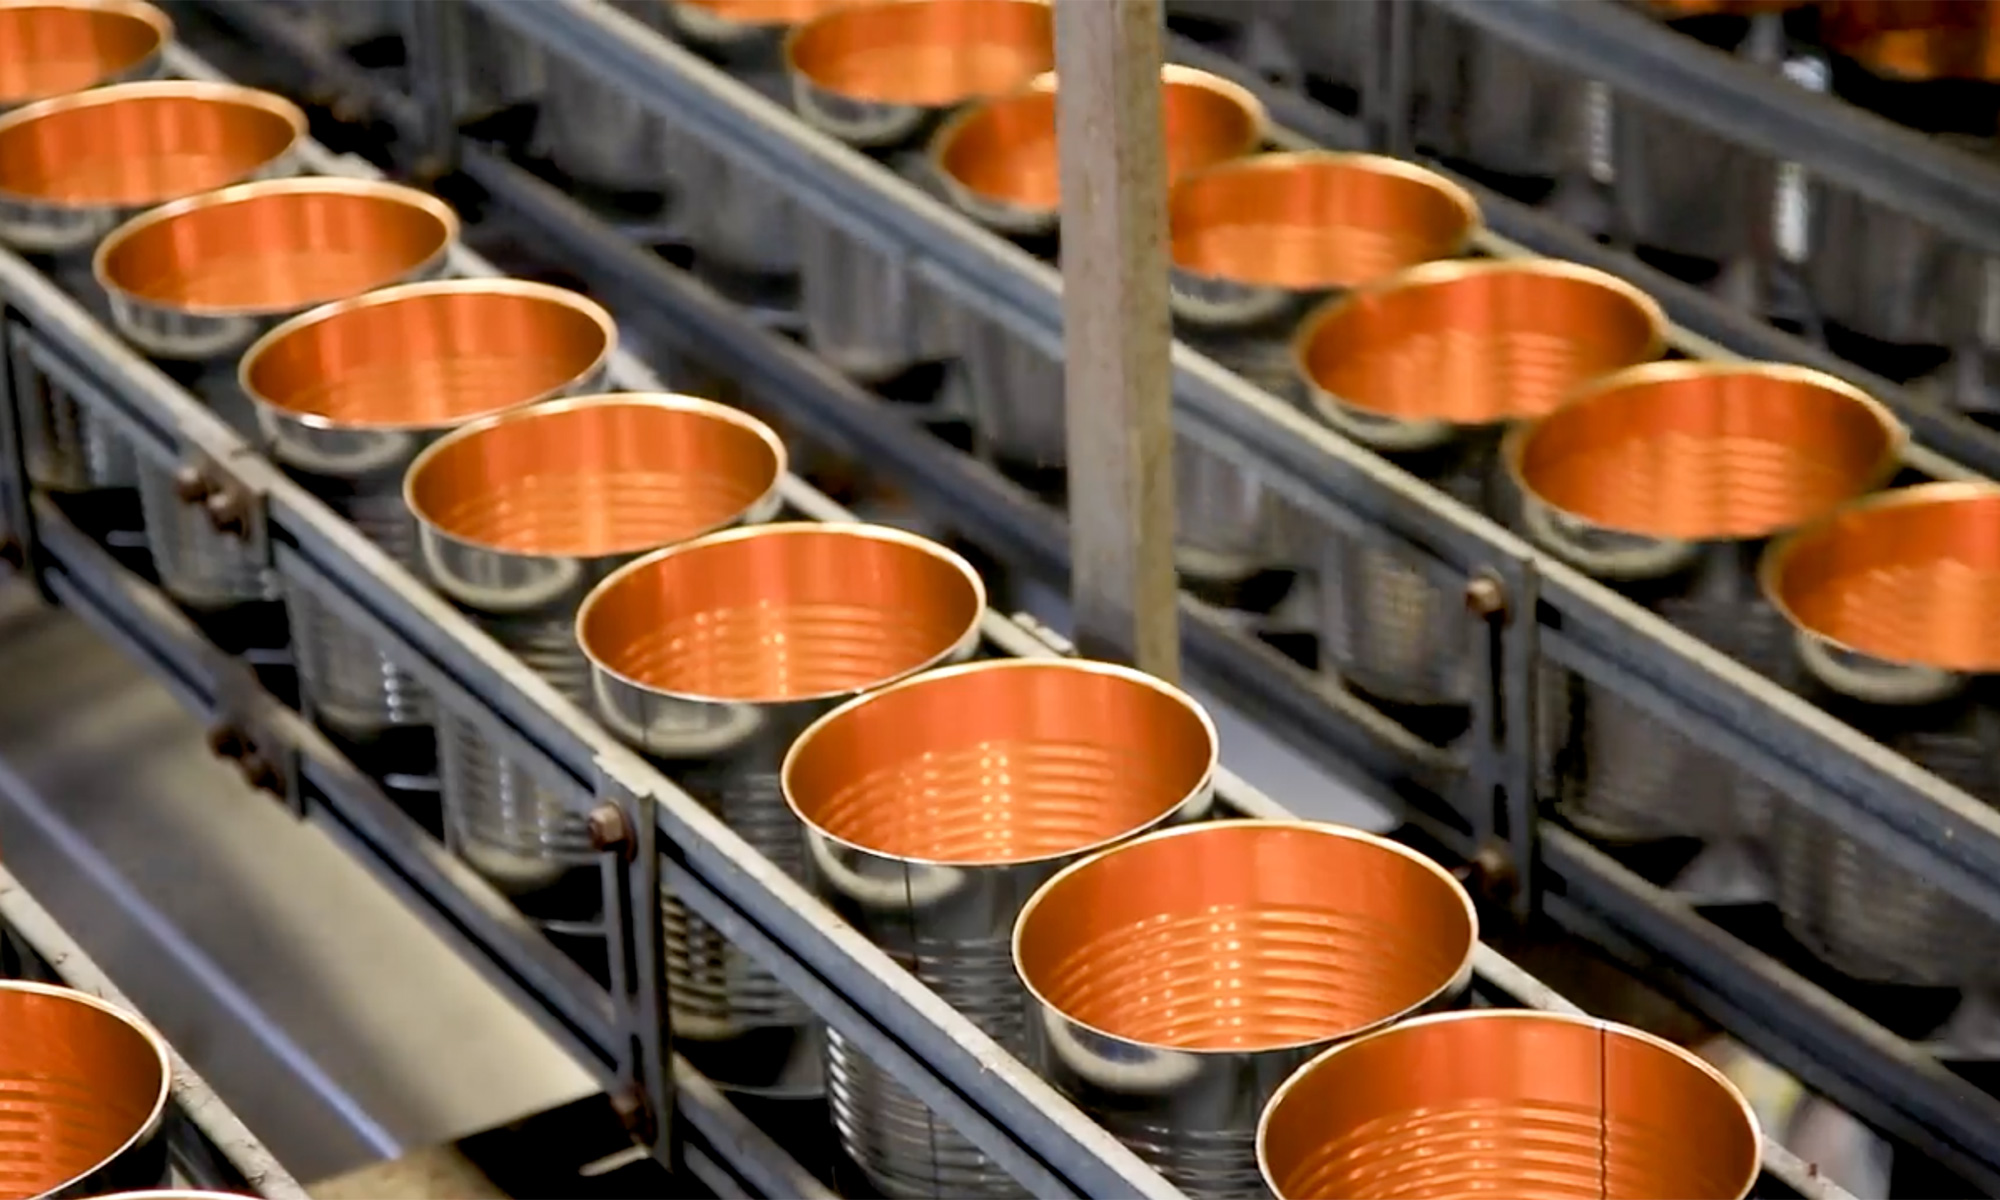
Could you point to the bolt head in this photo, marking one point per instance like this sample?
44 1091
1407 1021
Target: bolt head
1484 597
225 512
191 486
608 828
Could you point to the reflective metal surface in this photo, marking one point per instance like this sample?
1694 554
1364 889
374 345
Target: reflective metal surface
599 136
200 278
1888 600
1428 367
348 394
933 809
1181 977
1664 480
521 515
1254 241
877 77
50 47
1517 1103
712 657
73 167
83 1089
997 163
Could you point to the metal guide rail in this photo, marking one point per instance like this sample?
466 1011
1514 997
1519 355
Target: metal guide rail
617 1030
1923 823
208 1146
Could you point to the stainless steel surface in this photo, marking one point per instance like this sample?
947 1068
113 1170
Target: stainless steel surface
932 810
1179 978
199 279
520 517
63 186
348 394
712 657
312 1001
600 137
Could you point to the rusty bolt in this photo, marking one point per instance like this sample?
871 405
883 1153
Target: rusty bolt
608 827
634 1113
227 742
225 512
191 486
1491 873
1484 597
259 773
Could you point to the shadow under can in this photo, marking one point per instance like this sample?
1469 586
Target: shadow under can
1181 977
348 394
1665 482
1427 368
520 516
933 809
196 281
712 657
1888 598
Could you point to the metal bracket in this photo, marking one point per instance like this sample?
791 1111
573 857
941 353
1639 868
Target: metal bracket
623 823
245 733
1502 742
234 508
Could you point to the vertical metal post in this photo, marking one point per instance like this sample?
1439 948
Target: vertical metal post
1117 374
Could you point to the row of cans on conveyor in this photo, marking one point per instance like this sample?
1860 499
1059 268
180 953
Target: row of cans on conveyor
978 820
1332 280
1888 291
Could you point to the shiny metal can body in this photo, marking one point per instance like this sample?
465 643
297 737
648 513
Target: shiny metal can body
1665 481
199 279
1255 242
1428 367
74 168
933 809
596 134
879 77
521 515
349 393
1869 592
997 162
85 1095
1516 1102
712 657
1181 977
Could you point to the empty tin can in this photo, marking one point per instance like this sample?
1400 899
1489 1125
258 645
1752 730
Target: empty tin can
933 809
1512 1103
997 162
83 1095
1666 481
878 77
199 279
72 169
1890 599
349 393
1255 241
1179 978
1428 368
50 48
712 657
521 515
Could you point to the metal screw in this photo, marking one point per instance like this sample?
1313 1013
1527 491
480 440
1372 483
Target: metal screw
608 827
1491 873
259 772
191 486
1485 597
226 512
